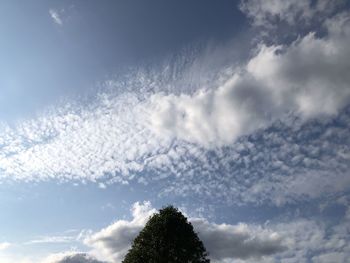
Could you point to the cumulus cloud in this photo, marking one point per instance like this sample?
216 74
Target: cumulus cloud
107 142
291 239
114 241
222 241
225 241
308 78
297 240
278 165
71 257
310 241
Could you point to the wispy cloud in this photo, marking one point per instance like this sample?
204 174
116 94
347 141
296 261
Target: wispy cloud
56 17
69 236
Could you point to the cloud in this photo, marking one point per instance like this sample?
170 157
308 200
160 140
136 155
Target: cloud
265 13
225 241
4 245
284 240
283 164
222 139
67 237
310 241
335 257
104 139
222 241
278 165
114 241
307 78
56 17
106 142
71 257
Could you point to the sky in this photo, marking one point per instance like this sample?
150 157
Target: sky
236 112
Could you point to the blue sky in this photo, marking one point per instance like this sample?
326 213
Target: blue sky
237 112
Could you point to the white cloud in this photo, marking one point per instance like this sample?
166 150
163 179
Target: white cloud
4 245
108 139
297 240
222 241
309 241
67 237
225 241
308 78
114 241
265 13
95 142
289 239
71 257
55 15
147 130
52 239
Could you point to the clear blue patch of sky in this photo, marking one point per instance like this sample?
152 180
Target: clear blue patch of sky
42 61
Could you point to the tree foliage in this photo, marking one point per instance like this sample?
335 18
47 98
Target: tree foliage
167 238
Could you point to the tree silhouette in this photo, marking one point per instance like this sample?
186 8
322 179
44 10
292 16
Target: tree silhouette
167 238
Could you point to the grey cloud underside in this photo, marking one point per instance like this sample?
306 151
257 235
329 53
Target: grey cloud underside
74 258
291 11
114 241
223 241
241 241
310 241
299 240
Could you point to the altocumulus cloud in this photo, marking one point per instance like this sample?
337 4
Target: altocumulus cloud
144 131
114 241
222 241
268 13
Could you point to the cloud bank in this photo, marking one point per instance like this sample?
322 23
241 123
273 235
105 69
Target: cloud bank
222 241
299 240
71 257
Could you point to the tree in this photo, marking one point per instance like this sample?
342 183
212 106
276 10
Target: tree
167 238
